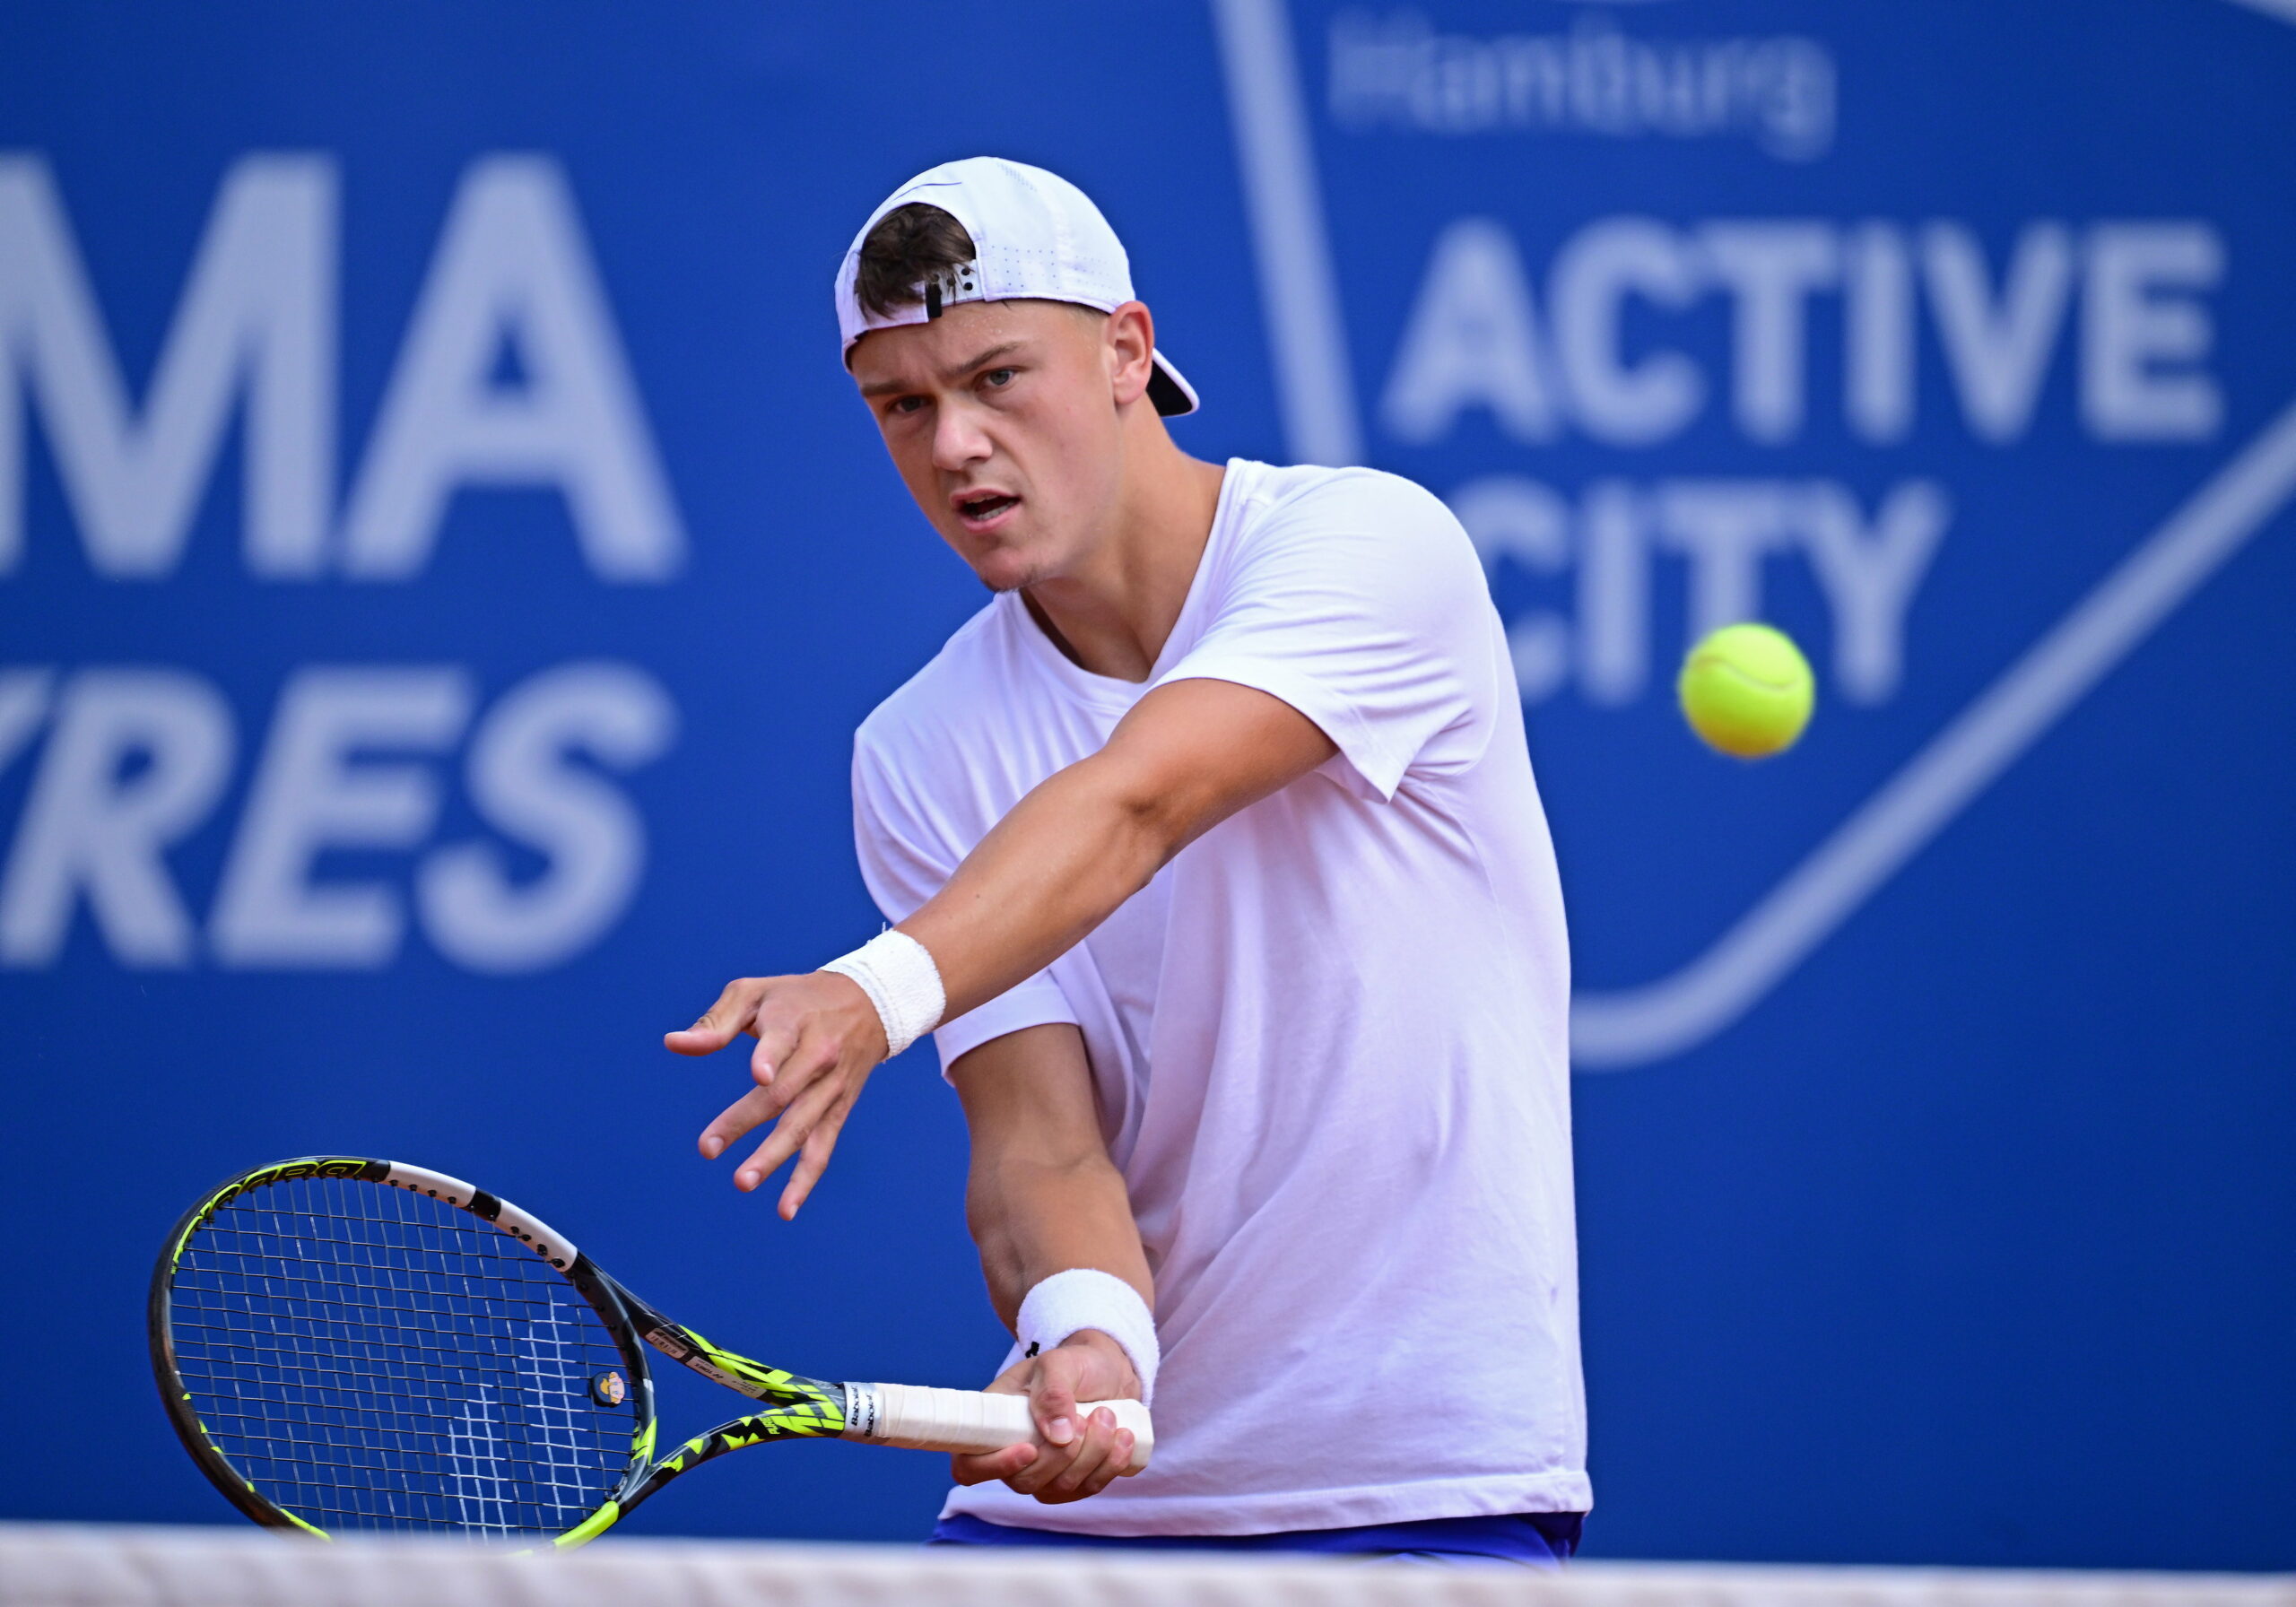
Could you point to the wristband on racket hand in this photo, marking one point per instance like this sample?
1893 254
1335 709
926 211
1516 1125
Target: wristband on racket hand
898 974
1068 1303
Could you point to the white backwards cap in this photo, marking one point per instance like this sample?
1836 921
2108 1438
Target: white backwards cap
1035 237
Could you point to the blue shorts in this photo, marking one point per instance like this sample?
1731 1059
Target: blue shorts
1526 1539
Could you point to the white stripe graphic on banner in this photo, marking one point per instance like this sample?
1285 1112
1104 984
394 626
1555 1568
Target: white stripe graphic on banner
1284 201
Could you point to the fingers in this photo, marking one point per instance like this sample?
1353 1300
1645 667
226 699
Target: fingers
813 1156
818 1038
1083 1453
776 1042
793 1132
722 1022
748 1111
800 1073
786 1062
1099 1453
1053 1402
788 1134
1107 1456
760 1105
808 1128
796 1126
995 1464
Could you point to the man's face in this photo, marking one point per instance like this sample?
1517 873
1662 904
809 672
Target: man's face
1001 417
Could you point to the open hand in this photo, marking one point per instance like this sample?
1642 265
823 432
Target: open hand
1079 1457
818 1038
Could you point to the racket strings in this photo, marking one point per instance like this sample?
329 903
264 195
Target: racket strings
371 1358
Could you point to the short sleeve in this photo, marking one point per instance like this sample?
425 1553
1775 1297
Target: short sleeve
907 855
1360 602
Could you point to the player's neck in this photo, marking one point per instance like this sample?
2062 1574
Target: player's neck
1113 613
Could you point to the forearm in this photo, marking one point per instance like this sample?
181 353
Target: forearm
1031 1220
1186 758
1043 1198
1042 1195
1053 868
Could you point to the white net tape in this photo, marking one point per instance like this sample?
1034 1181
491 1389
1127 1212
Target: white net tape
93 1566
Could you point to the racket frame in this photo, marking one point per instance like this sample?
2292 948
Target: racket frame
798 1406
795 1407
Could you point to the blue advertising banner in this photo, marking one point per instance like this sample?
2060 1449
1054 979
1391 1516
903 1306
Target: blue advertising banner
442 565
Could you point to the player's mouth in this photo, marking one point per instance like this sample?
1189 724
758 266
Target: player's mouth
983 511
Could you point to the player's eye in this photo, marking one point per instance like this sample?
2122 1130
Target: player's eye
907 404
998 378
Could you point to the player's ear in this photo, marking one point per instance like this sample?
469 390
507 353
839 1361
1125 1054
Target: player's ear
1130 334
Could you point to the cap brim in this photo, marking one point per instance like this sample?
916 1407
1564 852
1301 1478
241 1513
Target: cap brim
1169 390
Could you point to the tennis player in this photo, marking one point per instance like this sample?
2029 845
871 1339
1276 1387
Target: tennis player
1214 857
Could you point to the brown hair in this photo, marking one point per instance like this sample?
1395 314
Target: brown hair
910 244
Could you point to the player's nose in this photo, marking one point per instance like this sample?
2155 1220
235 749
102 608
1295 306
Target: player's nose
959 441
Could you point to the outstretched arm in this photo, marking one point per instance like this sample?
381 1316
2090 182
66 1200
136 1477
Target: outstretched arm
1188 755
1043 1197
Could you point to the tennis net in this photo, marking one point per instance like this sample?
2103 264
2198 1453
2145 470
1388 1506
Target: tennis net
60 1565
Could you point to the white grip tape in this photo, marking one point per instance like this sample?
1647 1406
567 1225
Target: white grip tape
972 1420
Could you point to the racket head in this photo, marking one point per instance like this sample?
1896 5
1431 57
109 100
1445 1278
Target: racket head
350 1344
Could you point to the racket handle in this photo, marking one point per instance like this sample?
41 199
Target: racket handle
969 1420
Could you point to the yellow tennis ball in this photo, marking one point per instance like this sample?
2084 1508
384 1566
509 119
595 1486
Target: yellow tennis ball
1747 691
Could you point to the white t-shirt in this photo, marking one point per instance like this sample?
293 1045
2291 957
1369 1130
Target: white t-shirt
1328 1041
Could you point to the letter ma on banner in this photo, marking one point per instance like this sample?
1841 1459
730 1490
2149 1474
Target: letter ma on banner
126 762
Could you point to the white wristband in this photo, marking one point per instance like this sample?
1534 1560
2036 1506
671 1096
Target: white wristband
1082 1297
897 973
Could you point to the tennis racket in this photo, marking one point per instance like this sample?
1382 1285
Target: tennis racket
352 1344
